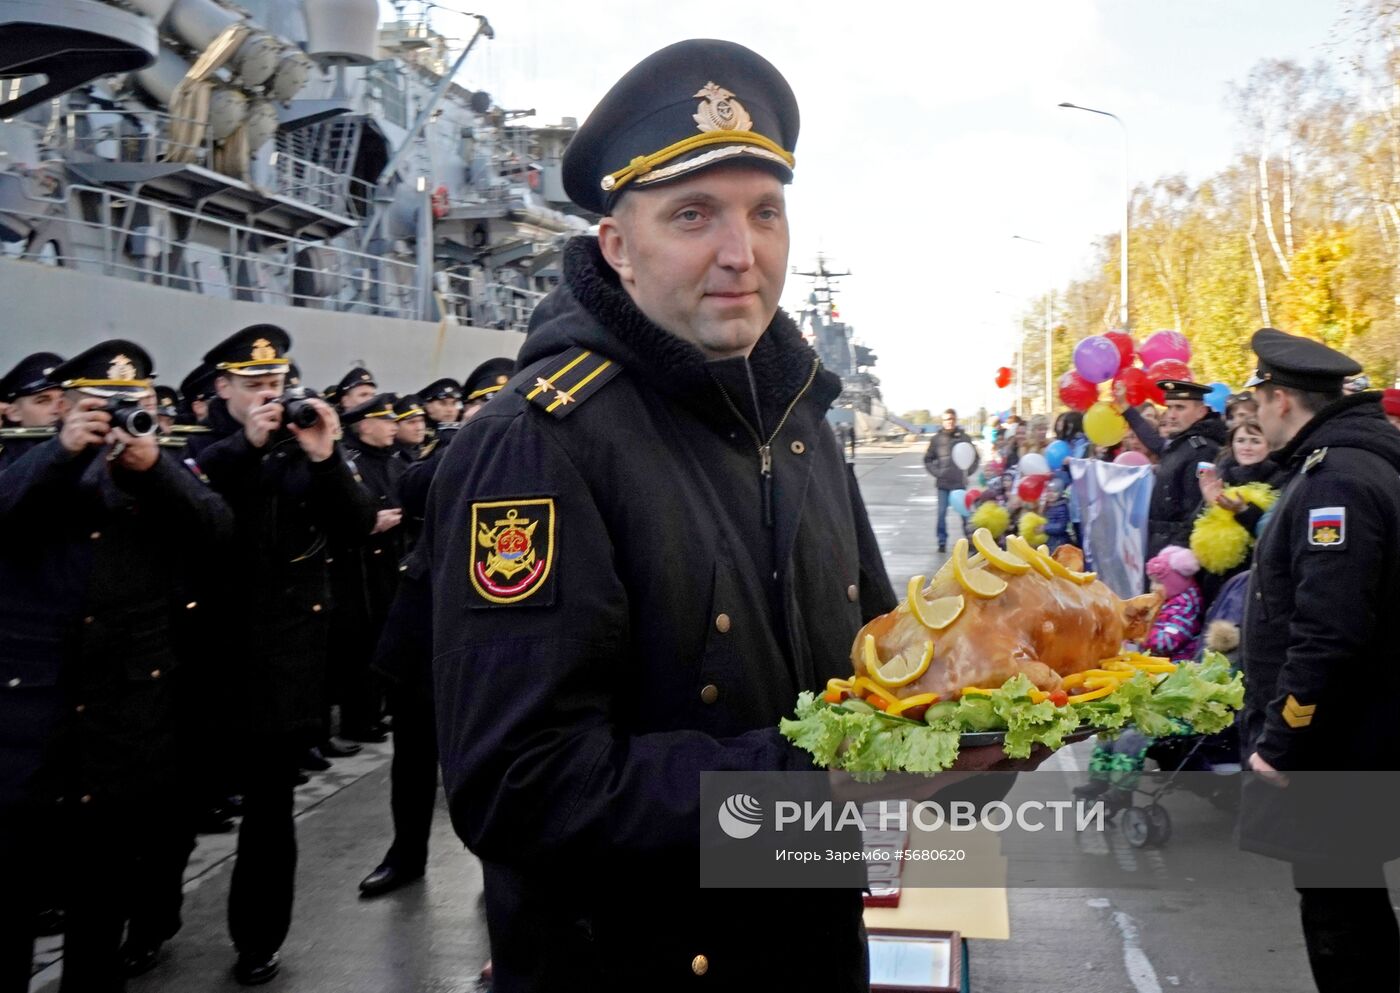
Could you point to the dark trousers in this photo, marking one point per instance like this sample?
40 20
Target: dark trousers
20 836
413 780
1352 939
101 842
162 857
264 871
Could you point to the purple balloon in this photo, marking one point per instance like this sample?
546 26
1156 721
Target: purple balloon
1132 458
1164 345
1097 359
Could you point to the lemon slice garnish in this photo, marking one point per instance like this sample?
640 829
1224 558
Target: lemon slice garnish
987 545
901 671
978 582
934 615
1064 571
1022 549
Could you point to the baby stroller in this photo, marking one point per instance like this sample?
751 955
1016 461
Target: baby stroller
1116 777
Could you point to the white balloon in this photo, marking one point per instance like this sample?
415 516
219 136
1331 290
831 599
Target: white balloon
964 455
1033 464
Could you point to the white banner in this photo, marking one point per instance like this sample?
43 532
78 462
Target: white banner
1113 505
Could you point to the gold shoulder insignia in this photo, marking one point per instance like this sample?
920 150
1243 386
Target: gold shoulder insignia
562 383
172 441
1314 460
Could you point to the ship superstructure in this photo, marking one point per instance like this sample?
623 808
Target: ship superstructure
835 342
287 153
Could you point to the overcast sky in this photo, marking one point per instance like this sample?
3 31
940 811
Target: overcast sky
930 135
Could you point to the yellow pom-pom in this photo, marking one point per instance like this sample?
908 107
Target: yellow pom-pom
1219 541
1032 528
993 517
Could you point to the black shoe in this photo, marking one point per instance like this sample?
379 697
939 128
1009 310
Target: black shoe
942 547
333 749
300 779
49 922
252 970
386 879
370 735
313 761
139 957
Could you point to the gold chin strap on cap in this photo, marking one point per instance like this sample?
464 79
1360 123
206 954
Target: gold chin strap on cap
90 384
273 366
486 392
412 412
644 164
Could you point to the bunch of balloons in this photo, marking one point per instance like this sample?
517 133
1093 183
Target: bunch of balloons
1102 358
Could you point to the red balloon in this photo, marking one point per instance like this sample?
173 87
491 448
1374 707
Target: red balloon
1076 392
1135 385
1003 378
1155 394
1168 369
972 497
1124 343
1031 488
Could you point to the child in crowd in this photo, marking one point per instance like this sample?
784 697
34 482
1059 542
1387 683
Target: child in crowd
1177 630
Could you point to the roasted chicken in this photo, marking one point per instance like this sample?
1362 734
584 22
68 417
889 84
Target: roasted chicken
986 618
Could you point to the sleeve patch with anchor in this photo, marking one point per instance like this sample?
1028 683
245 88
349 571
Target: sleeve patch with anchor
512 558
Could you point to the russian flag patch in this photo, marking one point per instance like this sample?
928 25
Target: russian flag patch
1327 527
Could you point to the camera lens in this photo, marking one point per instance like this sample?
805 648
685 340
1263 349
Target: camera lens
131 417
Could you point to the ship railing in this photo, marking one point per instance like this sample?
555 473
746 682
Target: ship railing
122 136
131 237
471 299
144 136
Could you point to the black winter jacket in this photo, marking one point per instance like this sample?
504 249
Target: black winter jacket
674 628
1176 494
1322 690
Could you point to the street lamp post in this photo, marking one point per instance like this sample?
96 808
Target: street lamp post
1127 208
1049 345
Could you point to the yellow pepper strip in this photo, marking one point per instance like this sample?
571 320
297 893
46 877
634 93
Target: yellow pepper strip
1099 693
1073 679
917 700
1116 665
976 691
1039 696
840 684
1095 682
873 688
1154 667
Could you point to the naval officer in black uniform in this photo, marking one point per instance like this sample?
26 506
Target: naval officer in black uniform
642 548
1322 691
292 491
93 523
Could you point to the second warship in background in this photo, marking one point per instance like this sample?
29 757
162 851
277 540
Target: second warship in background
171 170
859 412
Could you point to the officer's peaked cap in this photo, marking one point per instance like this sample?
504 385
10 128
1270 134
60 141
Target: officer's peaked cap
690 106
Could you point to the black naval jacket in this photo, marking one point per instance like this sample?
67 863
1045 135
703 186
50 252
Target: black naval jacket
1176 494
88 559
366 569
1321 683
277 591
672 630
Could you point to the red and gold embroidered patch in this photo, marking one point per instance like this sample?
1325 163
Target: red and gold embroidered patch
512 549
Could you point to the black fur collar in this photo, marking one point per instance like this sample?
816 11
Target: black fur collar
781 361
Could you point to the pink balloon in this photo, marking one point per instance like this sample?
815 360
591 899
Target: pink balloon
1132 458
1165 345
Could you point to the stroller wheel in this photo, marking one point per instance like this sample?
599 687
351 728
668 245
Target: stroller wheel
1159 824
1136 827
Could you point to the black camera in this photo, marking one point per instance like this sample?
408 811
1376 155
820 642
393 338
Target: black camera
130 416
297 407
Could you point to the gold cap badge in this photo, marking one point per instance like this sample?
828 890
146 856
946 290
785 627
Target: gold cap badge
262 351
719 111
121 368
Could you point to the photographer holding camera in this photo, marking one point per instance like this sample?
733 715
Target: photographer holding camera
93 524
292 491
